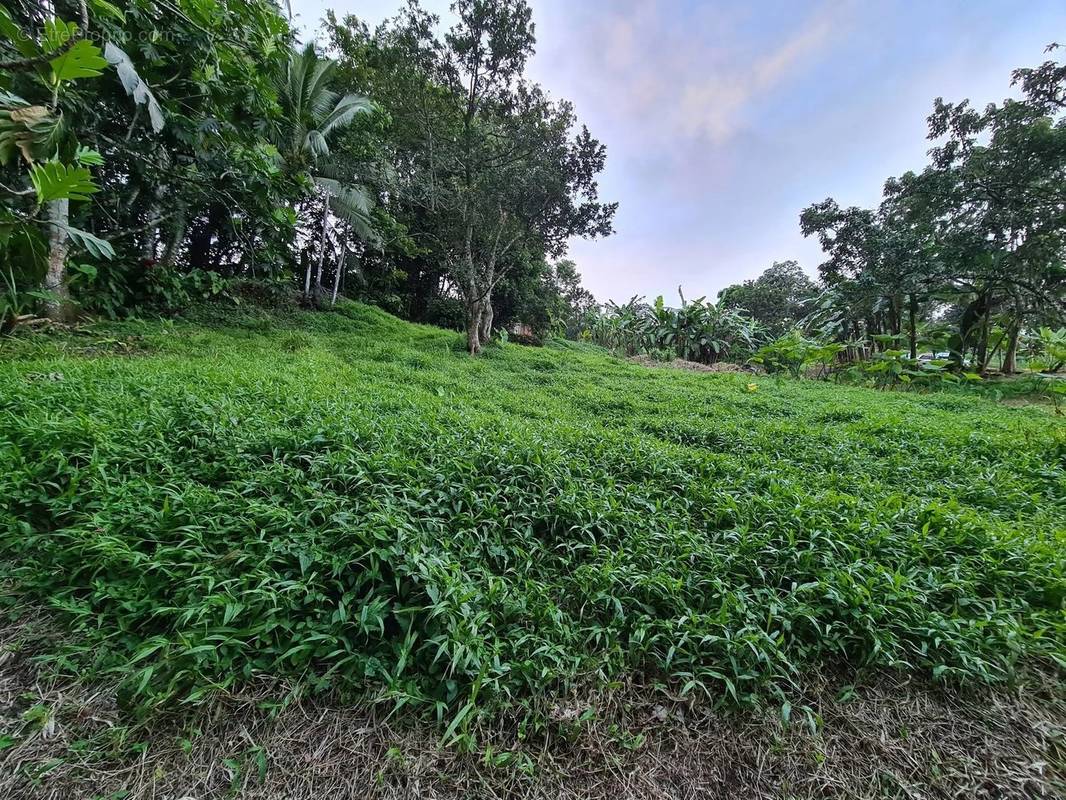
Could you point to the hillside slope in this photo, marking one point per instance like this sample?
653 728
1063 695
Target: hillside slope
349 502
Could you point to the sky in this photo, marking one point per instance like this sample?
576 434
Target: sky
724 119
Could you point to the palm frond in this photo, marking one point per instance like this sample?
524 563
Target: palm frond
330 170
299 65
322 103
345 111
328 185
317 92
353 203
316 144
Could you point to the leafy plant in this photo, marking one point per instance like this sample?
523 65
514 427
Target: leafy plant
1048 350
346 501
55 181
698 331
796 354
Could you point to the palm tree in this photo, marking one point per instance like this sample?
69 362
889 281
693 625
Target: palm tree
313 111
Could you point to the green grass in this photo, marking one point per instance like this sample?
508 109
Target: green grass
349 501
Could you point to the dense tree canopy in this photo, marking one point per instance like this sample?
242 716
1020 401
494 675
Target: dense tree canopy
494 176
778 299
413 169
975 239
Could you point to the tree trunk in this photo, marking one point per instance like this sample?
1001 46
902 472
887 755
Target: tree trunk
981 355
321 254
148 245
486 319
176 238
1010 356
473 327
912 314
151 231
340 268
57 306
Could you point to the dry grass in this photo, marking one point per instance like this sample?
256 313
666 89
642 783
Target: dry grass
888 738
692 366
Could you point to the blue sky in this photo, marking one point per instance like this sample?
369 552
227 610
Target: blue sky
723 120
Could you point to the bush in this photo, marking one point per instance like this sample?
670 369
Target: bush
116 289
796 354
446 312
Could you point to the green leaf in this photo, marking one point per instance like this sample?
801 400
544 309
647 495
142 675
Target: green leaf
83 60
448 738
57 33
14 34
56 181
96 246
87 157
106 9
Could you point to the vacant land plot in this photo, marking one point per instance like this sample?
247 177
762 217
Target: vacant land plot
539 545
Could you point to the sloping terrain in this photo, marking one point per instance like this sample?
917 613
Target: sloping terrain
348 506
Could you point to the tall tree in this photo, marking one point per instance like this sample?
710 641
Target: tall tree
494 173
779 298
313 113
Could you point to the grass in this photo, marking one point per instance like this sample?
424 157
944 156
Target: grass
349 502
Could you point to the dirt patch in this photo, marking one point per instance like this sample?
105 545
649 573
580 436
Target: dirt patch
691 366
885 737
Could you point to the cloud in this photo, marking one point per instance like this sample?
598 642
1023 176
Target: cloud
693 76
713 106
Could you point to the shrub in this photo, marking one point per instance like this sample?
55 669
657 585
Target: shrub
796 354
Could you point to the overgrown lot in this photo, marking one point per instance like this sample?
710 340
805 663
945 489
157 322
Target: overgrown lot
347 501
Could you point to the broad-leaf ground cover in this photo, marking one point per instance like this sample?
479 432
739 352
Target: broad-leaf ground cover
348 501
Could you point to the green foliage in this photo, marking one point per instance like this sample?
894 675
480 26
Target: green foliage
14 302
891 368
778 299
83 60
698 331
796 354
347 501
982 228
55 181
1048 350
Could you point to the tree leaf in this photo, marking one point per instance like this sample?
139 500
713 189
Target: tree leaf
106 9
133 84
10 29
96 246
87 157
56 181
83 60
57 33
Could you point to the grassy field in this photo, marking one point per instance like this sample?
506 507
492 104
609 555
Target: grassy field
350 504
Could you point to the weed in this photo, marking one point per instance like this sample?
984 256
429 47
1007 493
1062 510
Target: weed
380 513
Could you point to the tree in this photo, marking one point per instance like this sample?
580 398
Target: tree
519 176
39 133
778 299
1002 171
492 174
313 113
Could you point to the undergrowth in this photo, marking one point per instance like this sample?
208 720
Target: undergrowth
349 502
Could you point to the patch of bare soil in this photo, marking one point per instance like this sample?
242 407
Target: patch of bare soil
692 366
884 738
